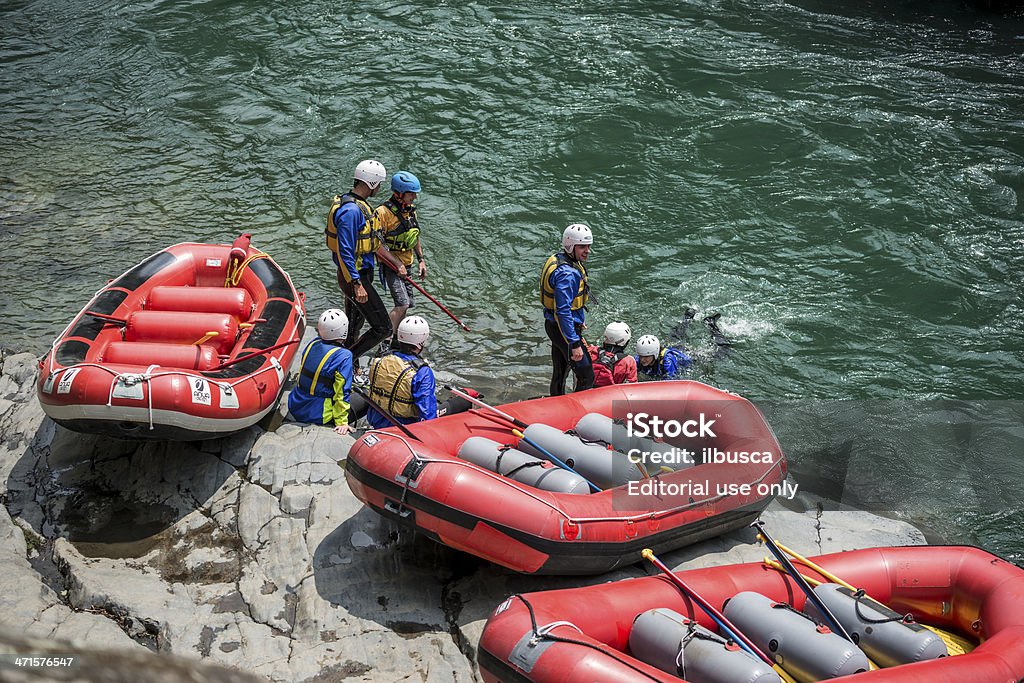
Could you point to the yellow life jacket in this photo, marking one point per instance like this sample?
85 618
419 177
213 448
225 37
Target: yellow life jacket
402 238
547 292
368 239
391 384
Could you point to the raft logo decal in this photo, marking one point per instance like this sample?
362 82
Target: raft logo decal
213 263
370 440
64 386
502 607
201 392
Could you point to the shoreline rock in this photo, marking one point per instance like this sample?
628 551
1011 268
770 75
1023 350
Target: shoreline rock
251 553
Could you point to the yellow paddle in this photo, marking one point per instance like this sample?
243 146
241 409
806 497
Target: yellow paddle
955 645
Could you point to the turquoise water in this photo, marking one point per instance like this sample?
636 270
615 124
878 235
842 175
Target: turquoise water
844 185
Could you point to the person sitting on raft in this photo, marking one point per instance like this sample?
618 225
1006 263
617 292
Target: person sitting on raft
612 365
671 362
322 393
402 382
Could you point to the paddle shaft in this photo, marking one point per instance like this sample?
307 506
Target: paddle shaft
424 293
723 623
798 579
476 401
550 456
253 355
107 318
391 418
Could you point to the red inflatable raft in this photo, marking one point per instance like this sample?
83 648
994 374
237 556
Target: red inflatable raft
192 343
959 589
425 485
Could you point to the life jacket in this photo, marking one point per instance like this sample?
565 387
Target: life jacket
368 239
604 366
547 292
391 384
316 382
406 233
609 359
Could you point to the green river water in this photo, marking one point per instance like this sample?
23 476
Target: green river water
844 183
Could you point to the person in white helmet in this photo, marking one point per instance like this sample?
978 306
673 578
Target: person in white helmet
564 292
612 365
671 362
402 382
353 236
322 393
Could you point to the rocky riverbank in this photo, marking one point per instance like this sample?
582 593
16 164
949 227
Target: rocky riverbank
248 558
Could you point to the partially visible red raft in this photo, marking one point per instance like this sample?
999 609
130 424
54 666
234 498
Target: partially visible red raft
959 589
425 485
192 343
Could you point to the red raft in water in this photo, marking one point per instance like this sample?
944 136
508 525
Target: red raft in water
600 634
192 343
426 485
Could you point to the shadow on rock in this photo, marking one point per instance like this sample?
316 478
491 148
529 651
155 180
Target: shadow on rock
391 575
121 499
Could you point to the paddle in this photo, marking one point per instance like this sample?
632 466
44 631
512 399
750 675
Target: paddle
519 434
391 418
472 399
724 625
956 645
833 623
424 293
253 355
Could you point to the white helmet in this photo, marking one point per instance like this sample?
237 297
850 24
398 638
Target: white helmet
648 345
618 334
333 325
577 233
413 330
371 172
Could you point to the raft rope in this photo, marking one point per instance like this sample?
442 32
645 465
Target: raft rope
235 276
133 378
513 484
861 595
501 454
544 633
691 633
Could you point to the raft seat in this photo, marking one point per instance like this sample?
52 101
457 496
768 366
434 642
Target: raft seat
233 301
189 357
219 330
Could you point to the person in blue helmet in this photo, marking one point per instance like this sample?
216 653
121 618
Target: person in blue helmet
564 292
321 395
657 362
400 228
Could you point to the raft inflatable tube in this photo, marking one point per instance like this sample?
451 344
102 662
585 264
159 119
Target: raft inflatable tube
193 343
426 486
590 634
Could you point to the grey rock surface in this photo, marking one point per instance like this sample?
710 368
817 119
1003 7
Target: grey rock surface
251 553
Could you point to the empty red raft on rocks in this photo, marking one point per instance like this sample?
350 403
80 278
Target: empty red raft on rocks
587 634
426 485
192 343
